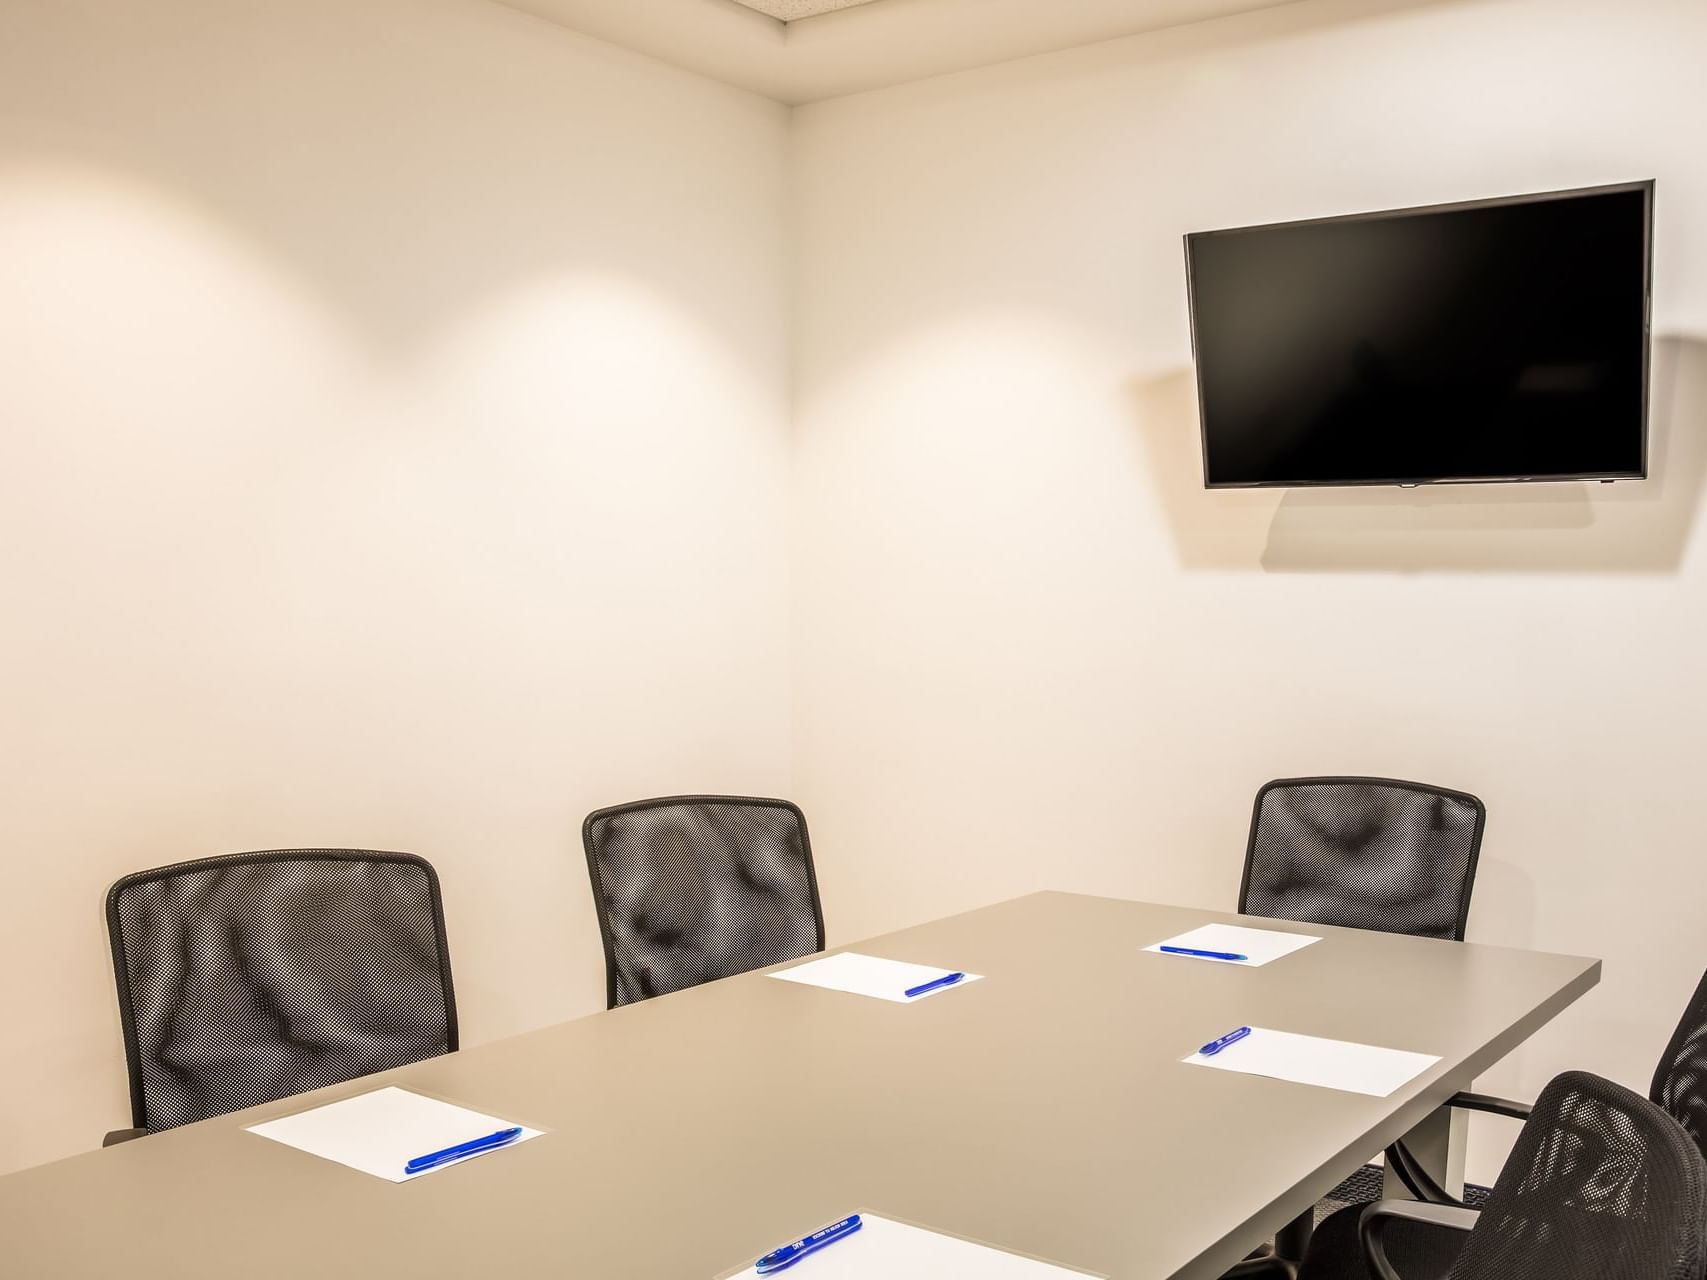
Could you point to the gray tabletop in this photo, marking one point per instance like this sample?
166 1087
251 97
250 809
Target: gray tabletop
1043 1110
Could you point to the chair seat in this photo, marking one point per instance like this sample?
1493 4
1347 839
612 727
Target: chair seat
1368 1185
1420 1252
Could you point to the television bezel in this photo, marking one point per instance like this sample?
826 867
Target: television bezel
1645 186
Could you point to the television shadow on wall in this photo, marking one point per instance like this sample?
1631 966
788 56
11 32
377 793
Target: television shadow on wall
1339 523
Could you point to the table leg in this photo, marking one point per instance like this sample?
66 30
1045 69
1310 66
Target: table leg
1292 1241
1438 1145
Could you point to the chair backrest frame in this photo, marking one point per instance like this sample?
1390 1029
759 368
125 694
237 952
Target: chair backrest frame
1396 784
1680 1078
121 965
594 820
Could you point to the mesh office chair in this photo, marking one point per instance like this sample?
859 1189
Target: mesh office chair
693 888
1365 853
1679 1089
252 977
1368 853
1602 1185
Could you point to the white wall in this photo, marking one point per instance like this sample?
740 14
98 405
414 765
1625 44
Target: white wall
394 400
1033 652
395 407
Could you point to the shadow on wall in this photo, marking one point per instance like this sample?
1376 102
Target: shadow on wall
1628 527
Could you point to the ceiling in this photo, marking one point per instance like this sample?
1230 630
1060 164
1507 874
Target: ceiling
836 47
794 10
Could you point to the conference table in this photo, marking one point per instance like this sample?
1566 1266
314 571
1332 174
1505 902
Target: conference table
1043 1110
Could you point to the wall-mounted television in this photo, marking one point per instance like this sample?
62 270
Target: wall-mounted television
1492 340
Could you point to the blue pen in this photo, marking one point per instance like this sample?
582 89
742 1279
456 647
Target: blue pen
947 980
785 1257
1232 1037
491 1142
1207 955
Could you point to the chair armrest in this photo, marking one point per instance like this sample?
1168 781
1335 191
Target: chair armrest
124 1135
1372 1225
1490 1104
1410 1171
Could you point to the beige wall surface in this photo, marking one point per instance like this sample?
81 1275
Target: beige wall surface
394 399
1032 651
396 405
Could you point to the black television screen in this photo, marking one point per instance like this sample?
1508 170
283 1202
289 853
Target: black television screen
1496 340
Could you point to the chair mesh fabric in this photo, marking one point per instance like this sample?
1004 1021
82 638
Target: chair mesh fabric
1369 853
1602 1185
253 977
1680 1080
694 888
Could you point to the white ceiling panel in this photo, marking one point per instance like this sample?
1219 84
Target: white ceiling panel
794 10
849 46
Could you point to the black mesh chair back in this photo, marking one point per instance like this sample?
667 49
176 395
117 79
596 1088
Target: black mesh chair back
1602 1185
693 888
1370 853
253 977
1680 1080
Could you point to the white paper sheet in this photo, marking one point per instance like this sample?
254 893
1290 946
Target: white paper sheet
1258 946
382 1131
1331 1064
871 976
883 1249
